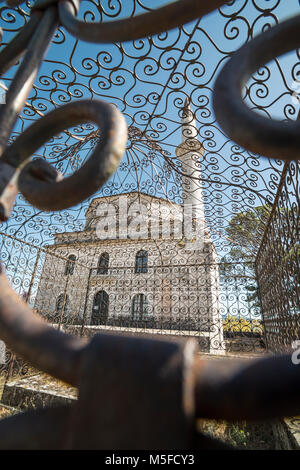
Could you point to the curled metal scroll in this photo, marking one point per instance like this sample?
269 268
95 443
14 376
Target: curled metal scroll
175 14
252 131
38 181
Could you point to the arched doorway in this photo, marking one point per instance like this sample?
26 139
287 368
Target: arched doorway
100 308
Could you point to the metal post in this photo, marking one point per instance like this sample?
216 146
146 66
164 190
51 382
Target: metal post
33 274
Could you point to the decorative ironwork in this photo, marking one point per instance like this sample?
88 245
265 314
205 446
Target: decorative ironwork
278 266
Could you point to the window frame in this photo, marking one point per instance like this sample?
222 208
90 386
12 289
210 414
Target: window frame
103 267
70 265
141 262
100 315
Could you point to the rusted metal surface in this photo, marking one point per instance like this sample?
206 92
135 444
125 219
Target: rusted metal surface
43 429
35 340
25 76
150 386
18 92
154 390
255 389
161 383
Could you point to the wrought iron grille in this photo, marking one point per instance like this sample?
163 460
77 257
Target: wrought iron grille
278 265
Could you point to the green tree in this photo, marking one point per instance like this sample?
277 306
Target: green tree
245 231
244 234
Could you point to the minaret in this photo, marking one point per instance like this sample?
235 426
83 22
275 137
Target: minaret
206 309
189 152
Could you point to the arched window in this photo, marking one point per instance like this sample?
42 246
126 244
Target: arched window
103 264
139 307
70 265
141 262
100 308
61 307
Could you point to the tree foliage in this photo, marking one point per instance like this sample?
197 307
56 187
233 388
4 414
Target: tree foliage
245 231
244 234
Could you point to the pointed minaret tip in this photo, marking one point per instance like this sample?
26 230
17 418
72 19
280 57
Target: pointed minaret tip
189 131
186 112
188 123
187 103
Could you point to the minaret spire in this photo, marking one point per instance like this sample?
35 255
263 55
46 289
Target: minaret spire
188 124
190 152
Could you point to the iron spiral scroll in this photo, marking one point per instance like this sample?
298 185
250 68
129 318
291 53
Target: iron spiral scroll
191 387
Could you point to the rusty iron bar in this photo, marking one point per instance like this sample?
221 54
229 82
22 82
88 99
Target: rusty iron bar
25 76
35 340
13 3
255 389
16 48
162 19
151 403
17 94
51 429
276 199
251 381
278 265
249 129
43 429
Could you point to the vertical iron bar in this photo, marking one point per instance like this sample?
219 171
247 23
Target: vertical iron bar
33 274
261 309
15 99
26 74
86 301
64 302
